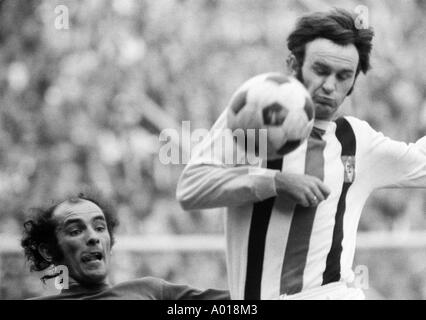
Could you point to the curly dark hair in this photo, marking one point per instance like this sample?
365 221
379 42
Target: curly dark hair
337 25
40 229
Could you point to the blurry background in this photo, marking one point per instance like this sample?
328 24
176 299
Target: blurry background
84 106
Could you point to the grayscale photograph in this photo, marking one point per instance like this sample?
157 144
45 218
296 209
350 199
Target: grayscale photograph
213 150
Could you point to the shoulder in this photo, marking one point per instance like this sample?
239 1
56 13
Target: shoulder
152 287
147 288
64 295
159 289
146 282
363 131
50 297
358 125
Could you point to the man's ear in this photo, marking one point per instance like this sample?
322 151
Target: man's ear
292 65
44 252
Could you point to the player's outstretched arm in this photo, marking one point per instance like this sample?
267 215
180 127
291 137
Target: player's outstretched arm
209 181
388 163
203 186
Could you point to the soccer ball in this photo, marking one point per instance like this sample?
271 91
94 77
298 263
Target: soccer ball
275 102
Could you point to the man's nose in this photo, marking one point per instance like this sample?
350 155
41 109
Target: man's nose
329 84
92 237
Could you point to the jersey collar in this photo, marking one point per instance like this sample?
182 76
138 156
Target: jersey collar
327 126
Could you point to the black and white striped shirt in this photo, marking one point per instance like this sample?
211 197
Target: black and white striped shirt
276 247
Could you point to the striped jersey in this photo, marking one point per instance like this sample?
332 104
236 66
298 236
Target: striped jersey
277 247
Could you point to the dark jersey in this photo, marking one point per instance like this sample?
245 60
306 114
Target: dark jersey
148 288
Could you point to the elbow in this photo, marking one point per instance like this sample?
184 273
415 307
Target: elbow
184 196
184 201
194 189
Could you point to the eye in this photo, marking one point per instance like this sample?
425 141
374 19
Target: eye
344 76
100 228
75 232
321 71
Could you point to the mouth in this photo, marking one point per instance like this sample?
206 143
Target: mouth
324 101
94 256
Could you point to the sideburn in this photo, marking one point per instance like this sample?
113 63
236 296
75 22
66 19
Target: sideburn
299 74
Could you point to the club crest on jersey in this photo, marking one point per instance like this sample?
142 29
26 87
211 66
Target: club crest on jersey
349 166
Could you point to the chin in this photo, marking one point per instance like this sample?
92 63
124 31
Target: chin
323 115
97 273
92 277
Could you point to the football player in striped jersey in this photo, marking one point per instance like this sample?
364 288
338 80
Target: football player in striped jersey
291 223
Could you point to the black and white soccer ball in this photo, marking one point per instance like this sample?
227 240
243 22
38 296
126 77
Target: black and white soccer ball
275 102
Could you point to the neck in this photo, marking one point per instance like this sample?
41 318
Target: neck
90 286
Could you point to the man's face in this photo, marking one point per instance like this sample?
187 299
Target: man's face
84 240
329 73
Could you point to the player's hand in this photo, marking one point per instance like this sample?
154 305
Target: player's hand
305 190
